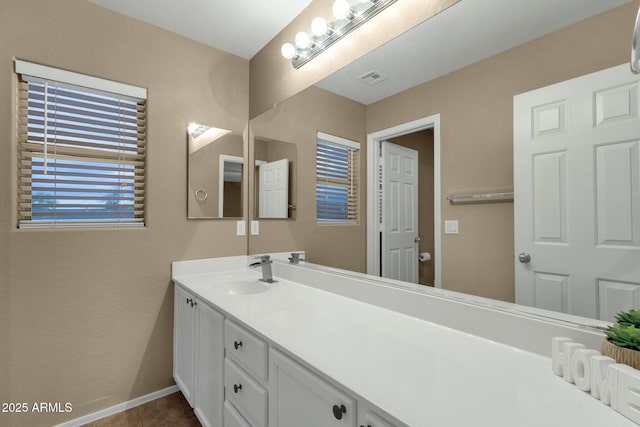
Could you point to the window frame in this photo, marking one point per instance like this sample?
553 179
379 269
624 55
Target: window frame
112 153
352 181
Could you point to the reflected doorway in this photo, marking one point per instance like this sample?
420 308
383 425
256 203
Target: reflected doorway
423 137
407 238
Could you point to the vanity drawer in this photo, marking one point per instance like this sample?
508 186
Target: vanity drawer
232 417
246 349
246 394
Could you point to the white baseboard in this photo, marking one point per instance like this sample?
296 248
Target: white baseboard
120 407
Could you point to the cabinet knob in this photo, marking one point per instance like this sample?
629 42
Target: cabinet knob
237 344
338 411
237 387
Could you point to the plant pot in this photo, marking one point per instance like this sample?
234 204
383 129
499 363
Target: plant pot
621 354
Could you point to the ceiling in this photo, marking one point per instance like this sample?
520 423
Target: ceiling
467 32
241 27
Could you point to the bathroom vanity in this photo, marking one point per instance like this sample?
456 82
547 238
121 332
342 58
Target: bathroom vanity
322 348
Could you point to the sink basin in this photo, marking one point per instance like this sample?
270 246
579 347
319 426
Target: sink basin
242 287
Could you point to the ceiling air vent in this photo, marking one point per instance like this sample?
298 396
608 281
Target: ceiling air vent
372 77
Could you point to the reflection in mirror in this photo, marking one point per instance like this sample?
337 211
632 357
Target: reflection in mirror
299 120
275 173
468 73
215 173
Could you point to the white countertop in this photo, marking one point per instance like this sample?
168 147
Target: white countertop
420 372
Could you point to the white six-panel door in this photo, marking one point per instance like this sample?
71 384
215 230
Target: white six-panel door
400 213
577 195
273 193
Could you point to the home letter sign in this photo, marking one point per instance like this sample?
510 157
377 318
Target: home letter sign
612 383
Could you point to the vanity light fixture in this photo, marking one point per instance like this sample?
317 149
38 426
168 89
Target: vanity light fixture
195 130
349 15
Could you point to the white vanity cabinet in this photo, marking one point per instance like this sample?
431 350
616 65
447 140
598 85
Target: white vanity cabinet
368 417
199 355
246 349
234 378
298 397
232 417
184 339
245 375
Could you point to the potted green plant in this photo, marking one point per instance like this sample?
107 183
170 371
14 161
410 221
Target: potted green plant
622 342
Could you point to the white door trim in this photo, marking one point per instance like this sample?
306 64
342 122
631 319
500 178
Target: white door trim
230 159
373 230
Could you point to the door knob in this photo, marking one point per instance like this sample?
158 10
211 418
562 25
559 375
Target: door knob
524 258
416 240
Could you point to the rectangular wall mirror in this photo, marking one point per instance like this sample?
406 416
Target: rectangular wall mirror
456 100
216 162
275 176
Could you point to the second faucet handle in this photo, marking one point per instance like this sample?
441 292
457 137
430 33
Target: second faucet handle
295 257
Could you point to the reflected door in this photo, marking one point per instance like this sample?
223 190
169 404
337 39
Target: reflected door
273 193
400 213
577 188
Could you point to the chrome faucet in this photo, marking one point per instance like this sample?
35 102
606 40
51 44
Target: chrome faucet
295 258
265 262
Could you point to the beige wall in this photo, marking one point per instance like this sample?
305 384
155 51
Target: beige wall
297 121
422 142
86 315
475 105
273 78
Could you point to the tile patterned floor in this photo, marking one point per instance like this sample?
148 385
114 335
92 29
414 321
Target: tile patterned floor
170 411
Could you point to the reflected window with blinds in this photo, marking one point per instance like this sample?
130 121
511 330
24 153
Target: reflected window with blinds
81 150
337 166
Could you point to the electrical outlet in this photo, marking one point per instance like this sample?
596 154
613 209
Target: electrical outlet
451 226
241 228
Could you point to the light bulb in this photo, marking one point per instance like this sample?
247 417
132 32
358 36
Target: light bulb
341 9
319 27
288 50
303 40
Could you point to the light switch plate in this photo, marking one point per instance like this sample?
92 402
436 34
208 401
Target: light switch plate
255 228
241 228
451 226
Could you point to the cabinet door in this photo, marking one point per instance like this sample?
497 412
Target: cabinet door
210 358
300 398
232 417
183 342
368 418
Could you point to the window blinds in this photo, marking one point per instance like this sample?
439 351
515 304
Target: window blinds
337 169
81 156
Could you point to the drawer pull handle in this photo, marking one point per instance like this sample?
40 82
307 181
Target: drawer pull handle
338 411
237 387
190 301
237 344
